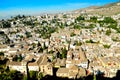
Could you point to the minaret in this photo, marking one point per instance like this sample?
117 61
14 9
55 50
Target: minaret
24 65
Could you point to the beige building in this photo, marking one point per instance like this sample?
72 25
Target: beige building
41 65
33 66
44 65
62 72
19 66
76 58
72 72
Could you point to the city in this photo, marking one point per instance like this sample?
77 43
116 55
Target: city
69 45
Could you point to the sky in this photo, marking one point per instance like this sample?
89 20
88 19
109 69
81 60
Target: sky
35 7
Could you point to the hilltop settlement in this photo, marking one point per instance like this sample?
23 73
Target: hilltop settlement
76 44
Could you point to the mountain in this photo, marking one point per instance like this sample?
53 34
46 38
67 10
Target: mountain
106 10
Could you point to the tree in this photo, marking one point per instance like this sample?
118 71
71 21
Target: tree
72 34
106 46
44 46
65 24
80 18
28 34
94 18
109 20
43 22
20 58
63 53
6 24
40 50
108 32
62 26
29 22
77 27
15 75
94 77
14 23
53 57
25 77
78 43
1 53
33 75
17 58
90 41
23 16
64 16
11 75
51 52
40 75
7 69
3 62
58 54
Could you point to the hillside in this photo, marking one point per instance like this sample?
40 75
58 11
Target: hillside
106 10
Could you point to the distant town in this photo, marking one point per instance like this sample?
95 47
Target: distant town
69 45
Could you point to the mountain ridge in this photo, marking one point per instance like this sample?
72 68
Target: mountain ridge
106 10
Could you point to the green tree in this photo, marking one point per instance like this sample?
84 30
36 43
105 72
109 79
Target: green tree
17 58
51 52
40 49
11 75
94 77
25 77
62 26
40 75
28 23
43 22
64 16
108 32
78 43
72 34
109 20
93 19
77 26
63 53
91 26
44 46
106 46
28 34
1 53
20 58
90 41
80 18
33 75
6 24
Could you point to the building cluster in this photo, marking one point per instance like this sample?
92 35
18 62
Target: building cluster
89 51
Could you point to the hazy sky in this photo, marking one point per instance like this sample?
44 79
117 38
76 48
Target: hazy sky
30 7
